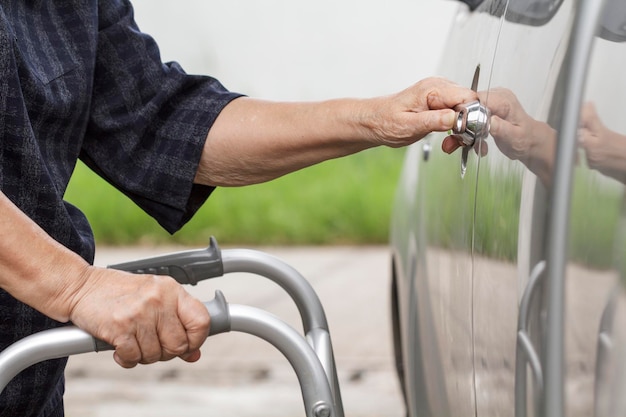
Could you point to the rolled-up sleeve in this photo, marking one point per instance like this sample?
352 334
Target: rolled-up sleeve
149 120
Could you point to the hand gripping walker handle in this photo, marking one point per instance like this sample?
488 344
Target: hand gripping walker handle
190 267
218 311
70 340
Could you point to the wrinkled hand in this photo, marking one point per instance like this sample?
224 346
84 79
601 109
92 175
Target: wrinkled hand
146 318
425 107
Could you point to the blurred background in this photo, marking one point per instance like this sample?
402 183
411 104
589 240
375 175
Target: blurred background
286 50
302 50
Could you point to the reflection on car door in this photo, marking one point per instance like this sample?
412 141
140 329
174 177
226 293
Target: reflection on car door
511 198
437 204
519 178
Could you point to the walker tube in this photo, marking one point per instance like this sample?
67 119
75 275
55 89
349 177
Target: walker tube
316 392
67 341
49 344
304 296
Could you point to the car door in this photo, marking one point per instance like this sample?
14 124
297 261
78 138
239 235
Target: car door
544 340
432 236
512 192
518 310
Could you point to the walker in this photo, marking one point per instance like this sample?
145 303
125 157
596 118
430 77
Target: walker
310 354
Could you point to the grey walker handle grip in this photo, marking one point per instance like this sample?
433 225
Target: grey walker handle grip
189 267
220 322
219 313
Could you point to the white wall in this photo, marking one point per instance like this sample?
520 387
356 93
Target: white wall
297 50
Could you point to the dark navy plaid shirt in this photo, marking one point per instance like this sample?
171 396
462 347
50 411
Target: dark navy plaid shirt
79 80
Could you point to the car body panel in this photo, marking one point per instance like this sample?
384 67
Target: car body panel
438 284
527 63
464 248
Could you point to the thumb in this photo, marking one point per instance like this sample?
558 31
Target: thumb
436 120
195 319
193 356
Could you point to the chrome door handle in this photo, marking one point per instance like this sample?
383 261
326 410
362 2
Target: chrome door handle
471 123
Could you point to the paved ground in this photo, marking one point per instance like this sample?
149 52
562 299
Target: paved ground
240 375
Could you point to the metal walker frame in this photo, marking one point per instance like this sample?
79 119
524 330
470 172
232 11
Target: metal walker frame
310 354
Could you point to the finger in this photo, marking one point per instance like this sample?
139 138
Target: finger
450 144
449 96
127 353
195 319
149 344
191 356
416 125
172 337
433 121
445 94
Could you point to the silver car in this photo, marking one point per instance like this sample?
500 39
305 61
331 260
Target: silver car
509 254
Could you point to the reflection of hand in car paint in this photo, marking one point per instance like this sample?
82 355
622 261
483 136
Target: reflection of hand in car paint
605 149
516 134
520 137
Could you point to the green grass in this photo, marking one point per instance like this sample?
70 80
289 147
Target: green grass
346 200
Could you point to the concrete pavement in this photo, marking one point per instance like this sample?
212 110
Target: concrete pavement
240 375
